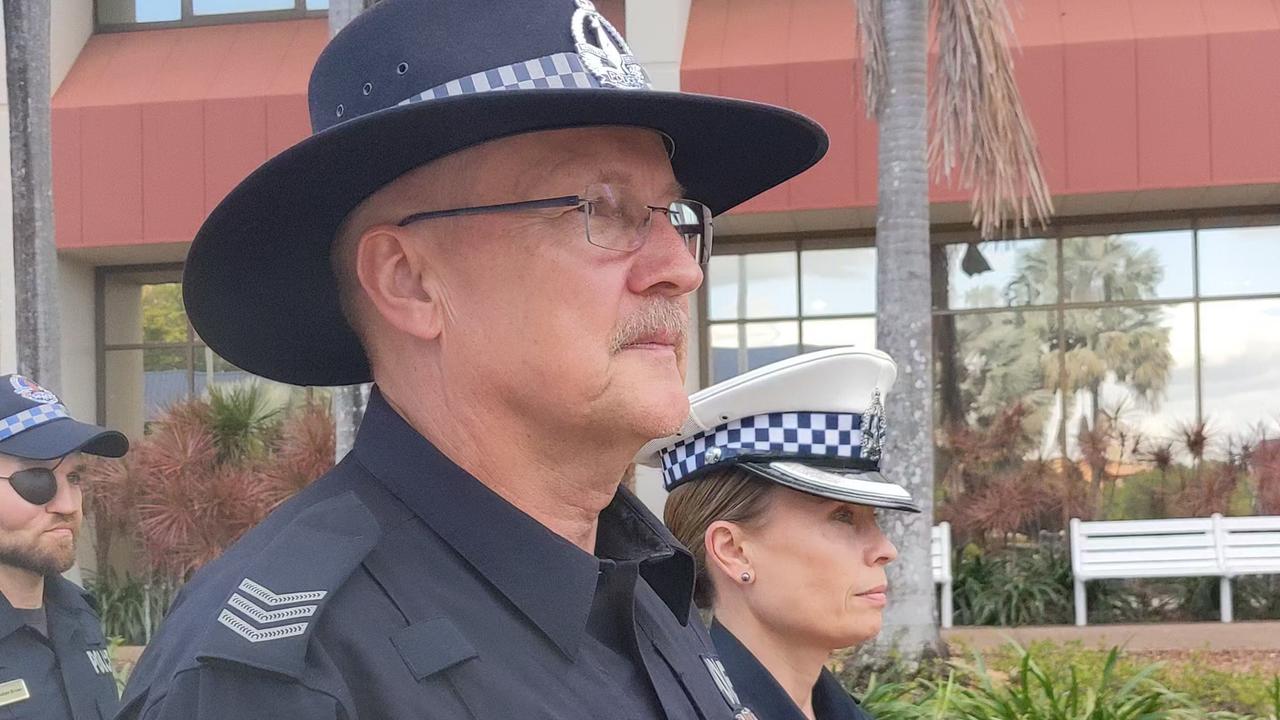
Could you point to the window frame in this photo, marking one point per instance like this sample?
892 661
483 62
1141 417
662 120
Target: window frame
942 235
188 18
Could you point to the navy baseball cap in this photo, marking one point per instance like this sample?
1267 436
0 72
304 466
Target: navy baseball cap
35 425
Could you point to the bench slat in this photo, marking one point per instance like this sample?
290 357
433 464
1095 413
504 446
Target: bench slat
1139 542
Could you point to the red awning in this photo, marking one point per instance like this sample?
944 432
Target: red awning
152 128
1125 95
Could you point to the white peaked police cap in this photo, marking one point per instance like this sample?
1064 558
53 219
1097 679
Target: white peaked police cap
814 423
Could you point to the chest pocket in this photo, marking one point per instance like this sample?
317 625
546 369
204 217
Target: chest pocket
432 646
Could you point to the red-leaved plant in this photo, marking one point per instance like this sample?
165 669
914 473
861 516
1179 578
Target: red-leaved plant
206 472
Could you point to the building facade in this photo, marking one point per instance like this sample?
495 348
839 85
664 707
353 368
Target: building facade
1147 304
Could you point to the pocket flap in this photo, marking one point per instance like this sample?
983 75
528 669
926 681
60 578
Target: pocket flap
431 646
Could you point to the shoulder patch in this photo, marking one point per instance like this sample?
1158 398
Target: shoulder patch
266 618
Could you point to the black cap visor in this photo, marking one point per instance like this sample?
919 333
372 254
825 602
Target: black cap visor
860 487
59 438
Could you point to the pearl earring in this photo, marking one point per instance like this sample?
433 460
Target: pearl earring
746 577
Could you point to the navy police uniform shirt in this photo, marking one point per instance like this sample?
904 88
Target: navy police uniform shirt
64 675
398 586
758 691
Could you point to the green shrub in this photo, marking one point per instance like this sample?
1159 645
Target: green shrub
122 605
1062 682
1021 585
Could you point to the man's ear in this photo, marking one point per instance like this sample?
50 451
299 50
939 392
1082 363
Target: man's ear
401 284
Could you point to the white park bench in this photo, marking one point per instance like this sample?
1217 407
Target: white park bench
941 552
1186 547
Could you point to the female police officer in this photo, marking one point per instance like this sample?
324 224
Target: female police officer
53 657
774 481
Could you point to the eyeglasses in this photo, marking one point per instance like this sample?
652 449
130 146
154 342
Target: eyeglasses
38 485
613 217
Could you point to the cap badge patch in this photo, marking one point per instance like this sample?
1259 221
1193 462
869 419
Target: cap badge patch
31 391
604 52
873 430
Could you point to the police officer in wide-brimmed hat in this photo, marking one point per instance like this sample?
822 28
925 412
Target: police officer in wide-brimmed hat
774 480
500 224
53 657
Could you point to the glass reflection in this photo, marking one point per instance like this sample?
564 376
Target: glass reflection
838 282
725 351
1240 376
1134 266
822 334
124 12
989 363
1130 374
769 342
1239 261
225 7
1023 272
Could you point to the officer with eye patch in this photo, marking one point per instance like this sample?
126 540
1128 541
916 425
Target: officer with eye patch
53 656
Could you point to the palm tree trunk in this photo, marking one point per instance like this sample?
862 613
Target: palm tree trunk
26 34
904 324
347 403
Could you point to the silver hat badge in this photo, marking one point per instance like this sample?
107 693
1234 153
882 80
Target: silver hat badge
604 53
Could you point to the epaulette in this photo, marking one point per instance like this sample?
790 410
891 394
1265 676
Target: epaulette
268 615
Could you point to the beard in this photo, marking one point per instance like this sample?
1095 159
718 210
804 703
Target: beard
52 557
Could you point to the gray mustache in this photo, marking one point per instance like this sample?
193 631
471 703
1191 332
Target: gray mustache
657 317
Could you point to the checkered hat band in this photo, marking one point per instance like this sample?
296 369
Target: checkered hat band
31 417
562 70
790 434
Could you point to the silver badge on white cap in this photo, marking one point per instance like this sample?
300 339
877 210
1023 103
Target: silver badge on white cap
873 430
604 53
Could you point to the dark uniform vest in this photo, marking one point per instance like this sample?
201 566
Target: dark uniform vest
65 676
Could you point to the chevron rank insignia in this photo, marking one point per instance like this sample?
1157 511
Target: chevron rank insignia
259 615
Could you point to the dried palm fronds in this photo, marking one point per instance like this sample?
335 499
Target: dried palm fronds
980 131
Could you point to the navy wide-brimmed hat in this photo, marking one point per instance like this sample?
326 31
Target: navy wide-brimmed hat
813 423
35 425
410 81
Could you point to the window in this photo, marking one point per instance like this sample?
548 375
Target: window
767 306
150 356
1149 333
137 14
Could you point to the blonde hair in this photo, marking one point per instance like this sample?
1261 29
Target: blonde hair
733 495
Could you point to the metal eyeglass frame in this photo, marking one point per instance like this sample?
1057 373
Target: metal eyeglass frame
701 253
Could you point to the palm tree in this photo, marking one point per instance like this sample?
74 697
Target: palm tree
26 34
982 133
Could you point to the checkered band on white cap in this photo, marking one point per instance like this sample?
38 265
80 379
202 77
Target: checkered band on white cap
561 70
31 417
775 434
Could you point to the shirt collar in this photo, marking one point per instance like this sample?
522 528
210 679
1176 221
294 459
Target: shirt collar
760 691
58 592
548 578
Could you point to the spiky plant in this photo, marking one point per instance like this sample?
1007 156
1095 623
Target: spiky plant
209 470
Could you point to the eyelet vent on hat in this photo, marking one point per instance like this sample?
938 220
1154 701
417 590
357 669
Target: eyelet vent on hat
341 110
402 68
368 88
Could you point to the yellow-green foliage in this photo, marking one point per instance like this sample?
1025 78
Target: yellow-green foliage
1070 682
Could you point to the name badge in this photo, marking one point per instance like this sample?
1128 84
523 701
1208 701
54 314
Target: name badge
13 691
